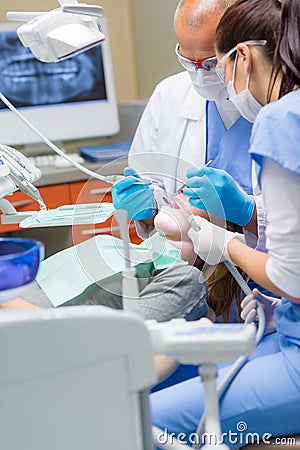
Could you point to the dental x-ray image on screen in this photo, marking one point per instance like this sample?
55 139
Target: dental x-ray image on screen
67 100
25 81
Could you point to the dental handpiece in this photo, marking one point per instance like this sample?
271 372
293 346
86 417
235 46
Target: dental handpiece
173 200
184 208
28 188
205 165
34 193
112 179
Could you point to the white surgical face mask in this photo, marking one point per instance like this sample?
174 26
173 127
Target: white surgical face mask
244 102
207 84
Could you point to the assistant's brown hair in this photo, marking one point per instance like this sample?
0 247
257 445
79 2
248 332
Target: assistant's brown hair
287 52
222 289
251 20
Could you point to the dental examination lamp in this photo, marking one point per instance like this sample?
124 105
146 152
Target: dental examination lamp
61 33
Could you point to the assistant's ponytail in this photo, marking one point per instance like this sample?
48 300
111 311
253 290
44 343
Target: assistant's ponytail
287 52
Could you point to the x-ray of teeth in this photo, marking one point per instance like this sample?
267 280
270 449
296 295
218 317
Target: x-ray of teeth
25 81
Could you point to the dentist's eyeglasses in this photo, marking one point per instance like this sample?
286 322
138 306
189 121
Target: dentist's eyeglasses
220 70
193 66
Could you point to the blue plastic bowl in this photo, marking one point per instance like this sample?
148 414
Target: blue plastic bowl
19 261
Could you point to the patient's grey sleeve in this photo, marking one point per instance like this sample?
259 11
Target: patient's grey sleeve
35 295
176 292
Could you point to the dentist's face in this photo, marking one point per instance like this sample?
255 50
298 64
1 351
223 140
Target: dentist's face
27 81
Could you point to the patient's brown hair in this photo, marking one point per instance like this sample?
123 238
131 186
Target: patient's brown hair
222 288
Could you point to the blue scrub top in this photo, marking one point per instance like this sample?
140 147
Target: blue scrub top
276 133
229 149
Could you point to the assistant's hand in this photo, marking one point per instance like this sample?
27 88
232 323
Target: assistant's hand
249 309
211 241
133 196
215 191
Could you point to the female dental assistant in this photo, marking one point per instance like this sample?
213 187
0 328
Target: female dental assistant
265 395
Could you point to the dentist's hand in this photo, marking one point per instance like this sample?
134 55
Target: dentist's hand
135 197
211 241
215 191
249 309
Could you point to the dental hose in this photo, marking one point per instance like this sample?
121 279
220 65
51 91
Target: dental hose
107 178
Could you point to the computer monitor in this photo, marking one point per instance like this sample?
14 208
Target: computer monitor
71 99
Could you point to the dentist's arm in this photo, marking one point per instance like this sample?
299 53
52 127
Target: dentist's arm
215 191
136 197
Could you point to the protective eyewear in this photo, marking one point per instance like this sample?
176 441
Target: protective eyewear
220 65
192 66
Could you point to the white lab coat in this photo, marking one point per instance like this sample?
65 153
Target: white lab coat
171 137
173 128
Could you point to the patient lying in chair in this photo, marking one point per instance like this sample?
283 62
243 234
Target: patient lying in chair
179 291
176 291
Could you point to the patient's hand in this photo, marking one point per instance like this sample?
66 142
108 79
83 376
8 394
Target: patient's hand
18 303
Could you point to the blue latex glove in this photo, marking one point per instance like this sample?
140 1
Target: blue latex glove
215 191
135 197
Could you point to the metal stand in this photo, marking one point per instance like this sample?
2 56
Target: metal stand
213 432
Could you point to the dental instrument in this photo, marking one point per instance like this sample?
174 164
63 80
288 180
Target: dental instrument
18 173
28 188
172 200
4 167
18 166
130 287
205 165
61 33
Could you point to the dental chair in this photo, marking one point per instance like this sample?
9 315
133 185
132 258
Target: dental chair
74 379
